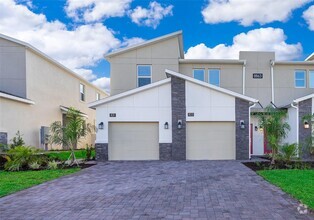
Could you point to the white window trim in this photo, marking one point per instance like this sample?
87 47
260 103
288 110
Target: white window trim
300 87
312 70
84 90
203 73
150 77
209 75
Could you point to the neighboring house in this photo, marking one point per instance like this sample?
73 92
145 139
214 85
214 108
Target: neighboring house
218 116
36 90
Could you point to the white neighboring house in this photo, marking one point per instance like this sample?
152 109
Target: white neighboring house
140 105
36 90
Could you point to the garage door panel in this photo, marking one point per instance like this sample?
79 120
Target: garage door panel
133 141
210 140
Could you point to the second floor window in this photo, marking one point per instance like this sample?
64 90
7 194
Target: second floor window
97 96
299 78
311 78
82 92
144 75
214 77
199 74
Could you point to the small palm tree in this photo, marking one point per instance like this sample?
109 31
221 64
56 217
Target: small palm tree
71 133
272 121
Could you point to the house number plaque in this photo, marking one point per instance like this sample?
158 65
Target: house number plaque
112 115
257 75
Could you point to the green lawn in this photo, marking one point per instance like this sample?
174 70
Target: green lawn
298 183
11 182
64 155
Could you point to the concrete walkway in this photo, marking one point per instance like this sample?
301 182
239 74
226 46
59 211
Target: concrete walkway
154 190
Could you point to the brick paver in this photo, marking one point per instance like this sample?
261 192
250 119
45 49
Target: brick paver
154 190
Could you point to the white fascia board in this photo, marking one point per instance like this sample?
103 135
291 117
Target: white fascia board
309 58
303 98
45 56
145 43
211 61
128 93
293 63
15 98
216 88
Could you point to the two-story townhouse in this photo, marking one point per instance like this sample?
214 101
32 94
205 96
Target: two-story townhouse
197 108
36 90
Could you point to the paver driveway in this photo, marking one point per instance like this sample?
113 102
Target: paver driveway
154 190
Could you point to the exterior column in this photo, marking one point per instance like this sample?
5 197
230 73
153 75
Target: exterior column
178 113
101 150
305 108
242 135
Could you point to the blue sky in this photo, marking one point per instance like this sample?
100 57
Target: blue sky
78 32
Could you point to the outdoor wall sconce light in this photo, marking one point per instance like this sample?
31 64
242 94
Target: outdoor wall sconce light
306 124
166 125
256 128
179 124
261 129
242 125
101 125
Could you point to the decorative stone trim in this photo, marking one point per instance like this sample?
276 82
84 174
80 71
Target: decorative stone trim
242 135
101 150
3 138
305 108
178 113
165 151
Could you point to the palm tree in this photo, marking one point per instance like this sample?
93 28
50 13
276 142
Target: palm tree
71 133
276 128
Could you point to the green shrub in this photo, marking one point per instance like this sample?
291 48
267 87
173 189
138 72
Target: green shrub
89 150
52 165
20 157
4 147
288 151
17 140
34 165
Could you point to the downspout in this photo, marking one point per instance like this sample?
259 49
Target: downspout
272 63
297 109
250 138
243 77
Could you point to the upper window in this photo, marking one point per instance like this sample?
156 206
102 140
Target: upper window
299 78
311 78
82 92
214 77
97 96
144 75
199 74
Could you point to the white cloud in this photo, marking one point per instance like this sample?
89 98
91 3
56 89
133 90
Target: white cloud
103 83
131 41
150 16
77 49
95 10
308 15
263 39
246 12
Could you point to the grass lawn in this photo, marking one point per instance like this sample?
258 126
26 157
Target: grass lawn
11 182
64 155
298 183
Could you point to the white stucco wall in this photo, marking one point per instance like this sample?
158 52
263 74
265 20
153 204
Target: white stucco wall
293 122
152 105
208 104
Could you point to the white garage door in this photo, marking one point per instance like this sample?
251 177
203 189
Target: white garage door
133 141
210 140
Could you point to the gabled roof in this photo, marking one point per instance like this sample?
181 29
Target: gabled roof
310 58
216 88
128 93
303 98
149 42
45 56
16 98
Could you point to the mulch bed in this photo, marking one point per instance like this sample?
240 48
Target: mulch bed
266 165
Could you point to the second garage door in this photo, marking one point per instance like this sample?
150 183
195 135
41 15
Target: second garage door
210 140
133 141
